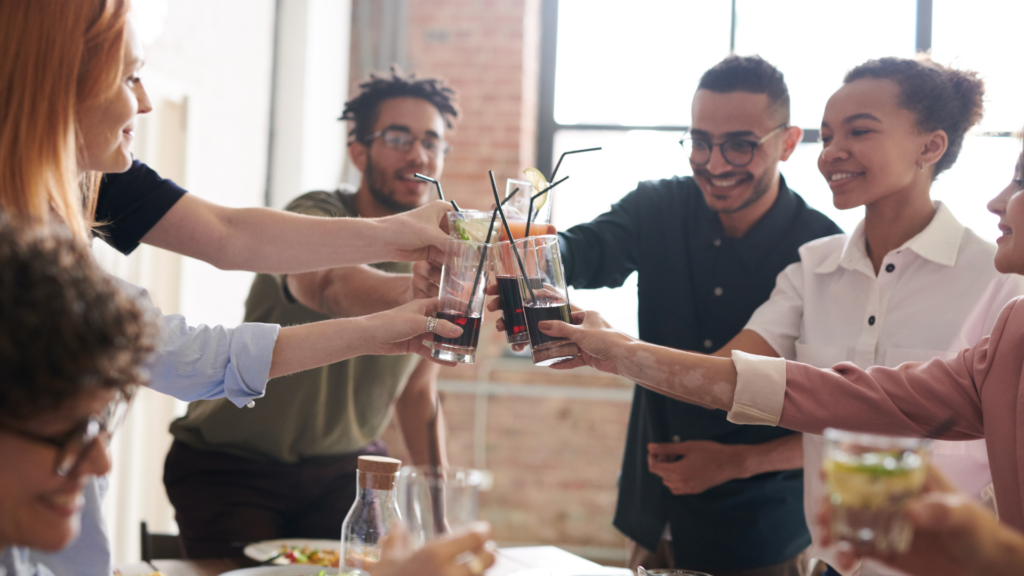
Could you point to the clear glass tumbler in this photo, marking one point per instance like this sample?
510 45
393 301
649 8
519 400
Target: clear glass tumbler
506 275
545 297
461 297
437 501
869 479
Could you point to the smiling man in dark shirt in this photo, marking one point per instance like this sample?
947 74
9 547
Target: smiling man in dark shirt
696 491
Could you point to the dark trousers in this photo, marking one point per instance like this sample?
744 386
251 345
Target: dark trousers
224 502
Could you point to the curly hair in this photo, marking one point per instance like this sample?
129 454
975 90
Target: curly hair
364 108
749 74
941 98
67 328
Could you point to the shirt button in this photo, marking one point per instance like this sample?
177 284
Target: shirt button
676 438
718 291
250 404
707 343
871 321
890 267
717 242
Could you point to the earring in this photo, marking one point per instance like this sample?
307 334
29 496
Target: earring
922 167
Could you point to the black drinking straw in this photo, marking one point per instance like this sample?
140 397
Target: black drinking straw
529 212
511 239
564 154
483 255
438 184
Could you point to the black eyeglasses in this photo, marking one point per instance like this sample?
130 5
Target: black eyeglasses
737 151
402 141
73 446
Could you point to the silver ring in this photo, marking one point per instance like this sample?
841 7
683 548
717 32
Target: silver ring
475 566
431 324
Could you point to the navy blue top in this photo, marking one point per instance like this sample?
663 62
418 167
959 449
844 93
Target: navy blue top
666 233
131 203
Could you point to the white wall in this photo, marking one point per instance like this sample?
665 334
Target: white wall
309 94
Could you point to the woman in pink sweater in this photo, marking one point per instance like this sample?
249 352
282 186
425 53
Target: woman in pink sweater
981 389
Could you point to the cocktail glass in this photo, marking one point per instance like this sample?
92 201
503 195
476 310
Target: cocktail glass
461 298
506 275
869 479
469 224
545 297
437 501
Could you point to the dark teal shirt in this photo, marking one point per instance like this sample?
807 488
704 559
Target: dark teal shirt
697 288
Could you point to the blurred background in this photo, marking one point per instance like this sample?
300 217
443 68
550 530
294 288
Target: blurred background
247 93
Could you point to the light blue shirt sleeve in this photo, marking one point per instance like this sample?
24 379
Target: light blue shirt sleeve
205 363
208 362
15 561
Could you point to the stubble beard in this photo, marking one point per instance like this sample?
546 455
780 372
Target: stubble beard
761 187
376 180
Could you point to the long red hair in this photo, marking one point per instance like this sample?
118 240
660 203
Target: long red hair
54 55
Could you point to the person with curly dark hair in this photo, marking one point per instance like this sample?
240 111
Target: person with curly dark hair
73 347
291 459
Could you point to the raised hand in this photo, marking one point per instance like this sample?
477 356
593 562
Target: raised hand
418 234
426 280
600 345
403 329
953 536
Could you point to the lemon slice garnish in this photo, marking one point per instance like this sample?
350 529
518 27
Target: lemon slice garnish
540 184
473 230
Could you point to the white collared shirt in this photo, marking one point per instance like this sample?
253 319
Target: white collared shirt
932 297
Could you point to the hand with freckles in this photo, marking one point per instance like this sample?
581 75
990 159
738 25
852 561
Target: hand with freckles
695 466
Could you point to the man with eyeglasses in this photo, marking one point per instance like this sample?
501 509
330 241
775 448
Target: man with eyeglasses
696 491
287 467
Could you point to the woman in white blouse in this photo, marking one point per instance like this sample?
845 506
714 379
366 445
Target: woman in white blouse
910 283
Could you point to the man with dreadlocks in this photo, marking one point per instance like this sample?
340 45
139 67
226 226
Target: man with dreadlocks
287 467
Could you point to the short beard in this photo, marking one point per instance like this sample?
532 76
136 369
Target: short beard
761 187
375 180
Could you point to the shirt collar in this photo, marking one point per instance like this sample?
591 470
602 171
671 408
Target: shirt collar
938 242
764 235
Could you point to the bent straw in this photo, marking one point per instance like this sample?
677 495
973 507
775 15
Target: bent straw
483 255
564 154
439 193
511 238
529 212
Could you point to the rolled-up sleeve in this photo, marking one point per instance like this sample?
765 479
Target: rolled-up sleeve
760 389
208 362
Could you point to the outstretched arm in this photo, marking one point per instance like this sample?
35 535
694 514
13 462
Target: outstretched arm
278 242
695 378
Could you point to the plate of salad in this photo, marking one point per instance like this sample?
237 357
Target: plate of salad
296 551
283 571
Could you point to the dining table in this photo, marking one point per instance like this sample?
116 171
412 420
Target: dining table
519 561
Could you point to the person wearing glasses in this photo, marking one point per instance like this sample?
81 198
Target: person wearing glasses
65 379
290 461
707 249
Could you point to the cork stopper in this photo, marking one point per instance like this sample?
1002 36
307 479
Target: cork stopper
378 472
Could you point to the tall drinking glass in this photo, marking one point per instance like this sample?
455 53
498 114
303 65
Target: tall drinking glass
435 501
470 224
506 275
463 284
869 479
545 297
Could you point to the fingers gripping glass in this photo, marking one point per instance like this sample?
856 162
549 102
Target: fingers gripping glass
73 446
402 141
737 151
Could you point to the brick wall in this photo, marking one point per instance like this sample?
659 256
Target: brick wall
553 441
